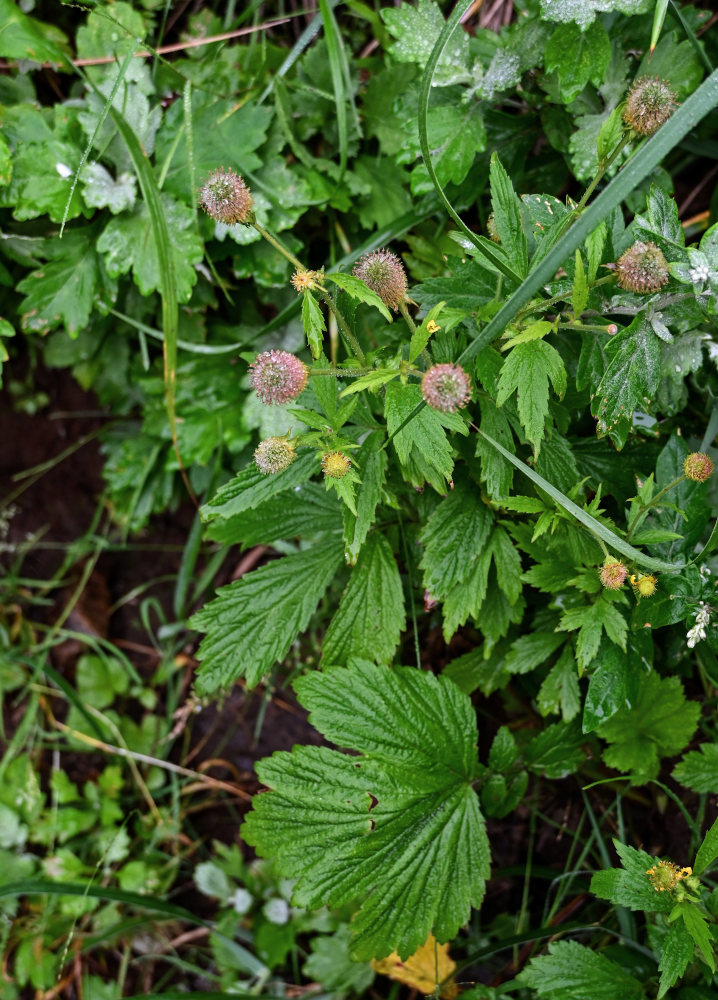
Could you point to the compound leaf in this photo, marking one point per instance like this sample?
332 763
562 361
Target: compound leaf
571 971
397 828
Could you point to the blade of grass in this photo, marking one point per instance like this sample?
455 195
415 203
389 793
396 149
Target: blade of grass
168 285
659 15
594 526
334 51
304 40
691 36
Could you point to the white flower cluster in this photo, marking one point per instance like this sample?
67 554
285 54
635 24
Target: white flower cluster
700 273
698 632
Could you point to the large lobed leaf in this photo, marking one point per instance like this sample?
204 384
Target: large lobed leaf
397 828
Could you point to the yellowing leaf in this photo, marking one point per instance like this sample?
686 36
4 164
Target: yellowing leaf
430 965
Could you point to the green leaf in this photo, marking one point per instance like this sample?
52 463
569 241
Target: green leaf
592 620
467 598
101 190
531 651
496 473
250 487
67 288
312 512
371 616
698 770
629 885
396 828
128 241
579 292
421 443
331 965
579 57
559 691
372 381
571 971
696 923
631 379
610 135
507 217
359 290
372 460
527 371
23 37
420 337
676 953
556 751
659 725
708 851
453 538
313 323
416 29
252 622
613 685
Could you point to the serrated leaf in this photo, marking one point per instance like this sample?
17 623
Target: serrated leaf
698 770
708 851
372 460
613 684
252 622
611 132
579 292
128 242
467 598
453 538
559 691
359 290
421 336
631 379
101 190
496 473
556 751
659 725
527 371
696 923
396 828
571 971
312 512
676 953
370 617
372 381
421 445
629 885
530 651
507 217
578 57
591 620
250 487
24 37
65 290
313 323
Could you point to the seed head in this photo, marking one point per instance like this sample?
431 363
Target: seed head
665 876
642 268
226 198
446 387
277 376
612 574
383 272
698 467
650 103
491 229
335 464
644 586
273 455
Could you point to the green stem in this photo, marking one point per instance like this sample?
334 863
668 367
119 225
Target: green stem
602 168
584 328
543 304
341 372
653 502
405 313
331 304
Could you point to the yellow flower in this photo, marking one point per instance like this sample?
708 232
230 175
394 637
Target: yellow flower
303 280
432 327
665 876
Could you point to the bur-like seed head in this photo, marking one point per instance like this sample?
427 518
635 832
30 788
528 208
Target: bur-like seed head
277 376
698 467
383 272
446 387
644 586
650 103
642 268
226 198
273 455
665 876
335 464
305 280
613 574
492 230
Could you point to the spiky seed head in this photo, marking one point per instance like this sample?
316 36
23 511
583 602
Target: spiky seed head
642 268
226 198
491 229
446 387
273 455
383 272
698 467
335 464
613 574
277 376
650 103
665 876
305 280
644 586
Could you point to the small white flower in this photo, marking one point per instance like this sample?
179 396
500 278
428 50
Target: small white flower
697 633
276 911
241 901
699 274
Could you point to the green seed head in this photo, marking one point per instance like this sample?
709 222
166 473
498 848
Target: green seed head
274 455
650 103
226 198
